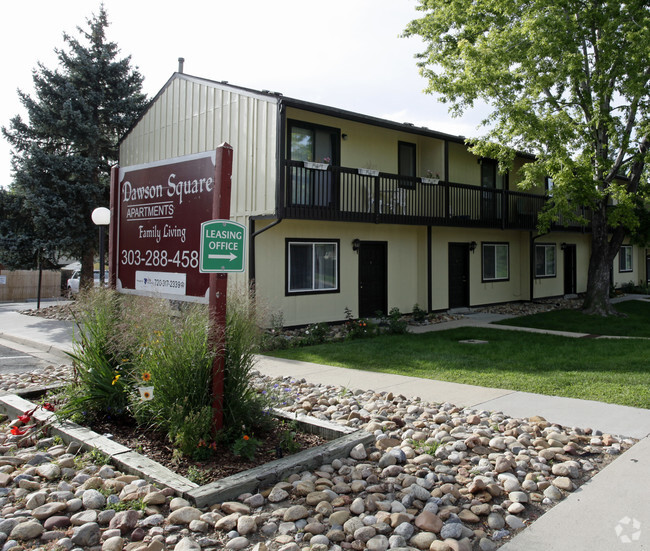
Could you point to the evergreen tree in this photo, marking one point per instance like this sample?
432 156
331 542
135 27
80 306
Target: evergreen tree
62 154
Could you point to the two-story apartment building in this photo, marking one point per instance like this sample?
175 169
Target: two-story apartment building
351 211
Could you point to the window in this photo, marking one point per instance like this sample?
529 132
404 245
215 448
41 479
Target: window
406 163
548 186
491 178
545 260
312 266
495 261
314 143
625 258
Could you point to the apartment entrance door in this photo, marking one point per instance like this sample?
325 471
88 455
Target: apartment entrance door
570 277
458 275
373 278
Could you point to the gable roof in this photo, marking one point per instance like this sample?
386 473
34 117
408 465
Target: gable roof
282 100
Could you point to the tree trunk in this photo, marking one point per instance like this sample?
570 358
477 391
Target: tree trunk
87 269
603 250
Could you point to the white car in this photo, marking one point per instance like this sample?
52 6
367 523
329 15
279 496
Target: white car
73 282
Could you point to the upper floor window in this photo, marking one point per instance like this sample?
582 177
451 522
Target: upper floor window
406 163
490 176
548 186
625 258
495 257
313 143
545 260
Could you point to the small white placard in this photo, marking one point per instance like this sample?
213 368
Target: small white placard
3 280
160 282
368 172
317 166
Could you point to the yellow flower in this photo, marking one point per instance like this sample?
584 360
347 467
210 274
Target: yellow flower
116 378
146 376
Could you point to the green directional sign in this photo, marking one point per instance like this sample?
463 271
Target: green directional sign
223 247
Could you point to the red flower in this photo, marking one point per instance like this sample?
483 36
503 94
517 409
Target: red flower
25 418
48 406
17 431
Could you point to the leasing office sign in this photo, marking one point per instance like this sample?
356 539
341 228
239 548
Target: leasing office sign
159 208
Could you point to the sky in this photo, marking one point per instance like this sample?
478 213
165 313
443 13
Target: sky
341 53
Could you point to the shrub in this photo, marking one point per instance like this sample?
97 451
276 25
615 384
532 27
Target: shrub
396 325
419 315
178 362
102 364
357 328
126 342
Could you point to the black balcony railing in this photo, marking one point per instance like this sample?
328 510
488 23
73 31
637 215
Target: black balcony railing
325 192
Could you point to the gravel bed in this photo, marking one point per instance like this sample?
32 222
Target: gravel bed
437 477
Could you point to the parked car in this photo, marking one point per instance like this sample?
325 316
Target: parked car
73 282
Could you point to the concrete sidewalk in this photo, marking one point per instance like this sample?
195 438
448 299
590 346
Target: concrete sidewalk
612 508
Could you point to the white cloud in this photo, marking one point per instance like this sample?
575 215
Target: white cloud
345 53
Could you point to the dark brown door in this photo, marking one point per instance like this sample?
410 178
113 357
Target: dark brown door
373 278
570 278
458 275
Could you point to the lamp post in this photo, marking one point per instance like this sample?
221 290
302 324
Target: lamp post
101 217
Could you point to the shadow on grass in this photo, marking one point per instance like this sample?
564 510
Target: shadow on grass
634 323
615 371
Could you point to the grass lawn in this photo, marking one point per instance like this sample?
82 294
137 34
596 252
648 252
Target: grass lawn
615 371
636 324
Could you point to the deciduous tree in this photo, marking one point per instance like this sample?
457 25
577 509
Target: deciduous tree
567 80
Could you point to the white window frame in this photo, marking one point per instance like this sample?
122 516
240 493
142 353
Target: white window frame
547 247
484 251
625 256
314 244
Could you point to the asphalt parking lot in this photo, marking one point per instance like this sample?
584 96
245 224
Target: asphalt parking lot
17 361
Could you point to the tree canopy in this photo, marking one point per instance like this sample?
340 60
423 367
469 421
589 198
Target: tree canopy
566 80
62 154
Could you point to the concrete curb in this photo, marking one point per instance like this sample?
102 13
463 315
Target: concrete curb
47 348
227 488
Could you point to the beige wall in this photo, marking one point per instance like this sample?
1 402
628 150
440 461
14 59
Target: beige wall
23 284
406 269
515 288
374 147
637 275
192 116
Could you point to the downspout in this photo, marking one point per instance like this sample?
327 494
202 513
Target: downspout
279 193
429 271
251 249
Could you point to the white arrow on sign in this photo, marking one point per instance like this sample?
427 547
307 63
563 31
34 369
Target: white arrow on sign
230 256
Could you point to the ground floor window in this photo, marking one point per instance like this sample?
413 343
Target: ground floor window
545 260
625 259
312 266
495 261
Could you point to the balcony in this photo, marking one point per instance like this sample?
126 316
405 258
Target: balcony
323 192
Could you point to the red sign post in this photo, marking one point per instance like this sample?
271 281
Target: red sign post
155 233
219 283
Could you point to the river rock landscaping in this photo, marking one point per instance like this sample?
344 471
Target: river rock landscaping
437 477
